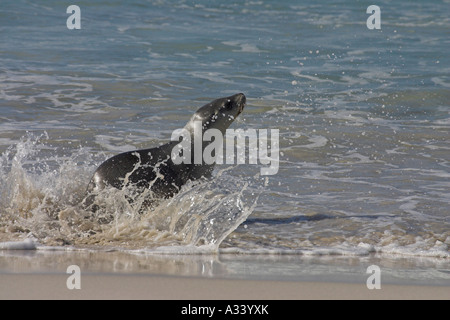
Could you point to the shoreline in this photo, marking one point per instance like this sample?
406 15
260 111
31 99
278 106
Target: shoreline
44 274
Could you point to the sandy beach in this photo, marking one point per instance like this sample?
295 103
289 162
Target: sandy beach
110 286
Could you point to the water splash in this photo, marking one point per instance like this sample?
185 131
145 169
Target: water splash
41 194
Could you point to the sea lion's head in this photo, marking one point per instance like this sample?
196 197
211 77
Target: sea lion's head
218 114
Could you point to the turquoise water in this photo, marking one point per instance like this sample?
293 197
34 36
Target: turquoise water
363 115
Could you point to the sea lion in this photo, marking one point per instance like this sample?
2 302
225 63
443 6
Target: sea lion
154 168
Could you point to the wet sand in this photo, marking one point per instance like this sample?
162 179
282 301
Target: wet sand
138 286
43 274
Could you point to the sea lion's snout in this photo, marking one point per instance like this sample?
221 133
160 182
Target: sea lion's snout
218 114
240 100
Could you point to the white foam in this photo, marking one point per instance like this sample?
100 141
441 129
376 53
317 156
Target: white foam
316 142
245 47
211 76
178 250
417 249
441 82
309 77
27 244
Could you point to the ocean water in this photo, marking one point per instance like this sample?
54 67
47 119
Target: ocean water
363 116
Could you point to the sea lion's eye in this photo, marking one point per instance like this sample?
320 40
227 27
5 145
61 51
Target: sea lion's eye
229 104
